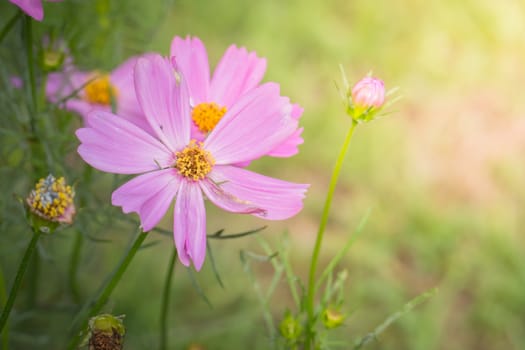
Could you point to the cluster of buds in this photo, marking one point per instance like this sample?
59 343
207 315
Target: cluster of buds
51 203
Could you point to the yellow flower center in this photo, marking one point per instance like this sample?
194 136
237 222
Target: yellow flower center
51 197
207 115
100 91
193 162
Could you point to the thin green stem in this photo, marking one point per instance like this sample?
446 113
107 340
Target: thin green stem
32 281
108 288
28 40
322 226
18 279
3 300
73 266
166 300
9 25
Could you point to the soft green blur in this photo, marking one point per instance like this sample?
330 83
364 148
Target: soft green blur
444 173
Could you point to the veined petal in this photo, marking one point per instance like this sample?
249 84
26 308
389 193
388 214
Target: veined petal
215 193
164 102
149 195
192 61
290 145
277 198
113 144
190 225
255 125
33 8
238 72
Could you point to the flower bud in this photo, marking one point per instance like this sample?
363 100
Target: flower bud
106 332
290 327
367 97
55 55
50 204
332 318
52 60
369 92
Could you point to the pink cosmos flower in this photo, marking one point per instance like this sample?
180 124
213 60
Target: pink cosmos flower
33 8
237 73
175 166
87 91
368 92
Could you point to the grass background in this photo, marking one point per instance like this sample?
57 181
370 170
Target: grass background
443 174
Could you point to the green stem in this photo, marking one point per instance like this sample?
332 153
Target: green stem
73 266
18 279
9 25
166 300
32 281
104 295
28 39
320 233
3 299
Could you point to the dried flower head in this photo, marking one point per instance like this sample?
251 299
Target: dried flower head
52 200
106 332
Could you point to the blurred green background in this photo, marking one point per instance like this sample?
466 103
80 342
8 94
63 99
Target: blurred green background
443 174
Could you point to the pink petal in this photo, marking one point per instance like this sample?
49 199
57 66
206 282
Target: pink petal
190 225
32 7
164 101
290 146
149 195
215 193
128 105
112 144
83 108
279 199
256 124
238 72
192 61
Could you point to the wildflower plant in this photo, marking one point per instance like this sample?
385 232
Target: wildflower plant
174 137
319 302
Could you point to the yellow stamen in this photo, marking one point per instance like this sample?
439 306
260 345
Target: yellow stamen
100 91
51 198
207 115
193 162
